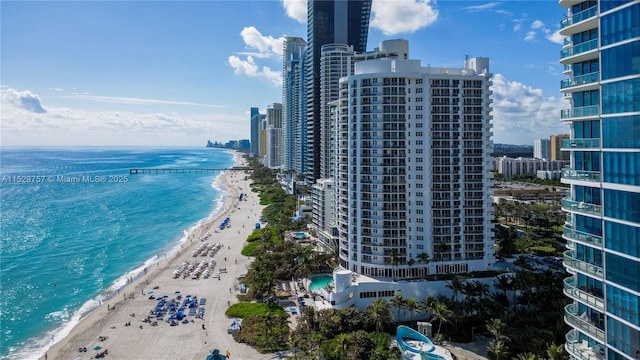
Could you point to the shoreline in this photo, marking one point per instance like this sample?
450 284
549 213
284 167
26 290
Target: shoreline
107 319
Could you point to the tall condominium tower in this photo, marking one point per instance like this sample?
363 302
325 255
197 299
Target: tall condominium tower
413 176
292 102
541 148
274 134
555 147
601 56
335 62
255 132
328 22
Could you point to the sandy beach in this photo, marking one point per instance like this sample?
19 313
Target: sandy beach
107 327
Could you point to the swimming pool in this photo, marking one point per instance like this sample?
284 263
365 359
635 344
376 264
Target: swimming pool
320 281
300 236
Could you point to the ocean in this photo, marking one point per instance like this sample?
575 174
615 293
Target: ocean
75 224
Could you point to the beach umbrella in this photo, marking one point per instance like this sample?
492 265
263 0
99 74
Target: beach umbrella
97 347
188 295
177 292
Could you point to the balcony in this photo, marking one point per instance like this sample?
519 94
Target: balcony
578 112
571 234
575 144
581 349
572 19
582 175
569 261
580 80
581 207
585 297
581 322
585 49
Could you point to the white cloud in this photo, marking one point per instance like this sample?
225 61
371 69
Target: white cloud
517 24
296 9
530 36
538 27
402 16
137 101
62 126
522 113
243 67
274 76
483 7
537 24
25 100
555 37
266 45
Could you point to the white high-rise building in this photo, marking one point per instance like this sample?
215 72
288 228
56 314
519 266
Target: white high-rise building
541 148
274 137
412 176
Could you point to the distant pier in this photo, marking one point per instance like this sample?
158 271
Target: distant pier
184 170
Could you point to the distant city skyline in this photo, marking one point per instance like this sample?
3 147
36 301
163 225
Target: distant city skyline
180 73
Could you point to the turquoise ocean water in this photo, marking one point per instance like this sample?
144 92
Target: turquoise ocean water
65 243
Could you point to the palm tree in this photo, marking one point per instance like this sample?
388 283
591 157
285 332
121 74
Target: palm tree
527 356
379 313
399 303
456 285
412 306
342 343
496 327
423 258
393 261
555 352
441 313
498 348
426 304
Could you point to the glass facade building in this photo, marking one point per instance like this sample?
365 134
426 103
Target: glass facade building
328 22
292 102
601 56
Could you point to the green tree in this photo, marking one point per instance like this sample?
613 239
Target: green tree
412 305
399 303
556 352
342 343
393 259
497 328
498 348
441 313
424 259
379 313
527 356
456 285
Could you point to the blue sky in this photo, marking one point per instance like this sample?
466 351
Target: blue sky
179 73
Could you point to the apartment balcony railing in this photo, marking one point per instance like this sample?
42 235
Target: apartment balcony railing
572 234
579 350
580 321
572 291
569 260
580 80
576 18
579 48
578 112
572 144
581 206
584 175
